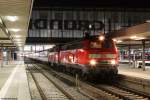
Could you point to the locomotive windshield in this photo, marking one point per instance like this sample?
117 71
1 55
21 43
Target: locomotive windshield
108 43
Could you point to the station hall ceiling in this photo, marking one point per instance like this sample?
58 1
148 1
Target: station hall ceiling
93 3
138 32
14 20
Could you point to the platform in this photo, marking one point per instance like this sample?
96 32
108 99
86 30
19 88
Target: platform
13 81
125 69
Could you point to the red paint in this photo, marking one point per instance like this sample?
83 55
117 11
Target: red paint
81 56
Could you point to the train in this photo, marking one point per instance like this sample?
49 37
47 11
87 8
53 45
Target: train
88 57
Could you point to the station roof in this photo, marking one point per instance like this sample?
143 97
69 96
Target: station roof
14 20
133 36
138 32
93 3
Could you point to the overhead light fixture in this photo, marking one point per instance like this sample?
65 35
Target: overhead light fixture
139 38
136 38
18 40
118 41
11 18
20 48
101 38
1 21
133 37
114 40
17 36
14 29
20 44
147 21
6 30
90 26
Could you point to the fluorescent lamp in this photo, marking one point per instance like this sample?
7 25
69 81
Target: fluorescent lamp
1 21
140 38
11 18
147 21
18 39
17 36
133 37
114 40
19 42
6 30
118 41
136 38
14 29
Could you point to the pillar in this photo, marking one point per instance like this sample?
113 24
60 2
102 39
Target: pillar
143 55
129 56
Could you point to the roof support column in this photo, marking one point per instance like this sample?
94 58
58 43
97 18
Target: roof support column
143 55
1 55
134 58
129 55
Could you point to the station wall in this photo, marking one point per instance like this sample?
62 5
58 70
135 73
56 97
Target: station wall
73 22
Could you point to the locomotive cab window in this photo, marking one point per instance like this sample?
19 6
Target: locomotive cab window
108 43
95 44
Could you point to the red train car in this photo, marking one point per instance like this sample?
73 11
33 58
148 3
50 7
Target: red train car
96 56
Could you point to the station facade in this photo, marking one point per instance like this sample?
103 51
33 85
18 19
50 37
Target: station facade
73 22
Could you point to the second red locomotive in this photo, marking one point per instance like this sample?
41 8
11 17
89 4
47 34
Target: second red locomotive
93 56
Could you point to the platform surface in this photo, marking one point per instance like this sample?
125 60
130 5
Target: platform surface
13 81
125 69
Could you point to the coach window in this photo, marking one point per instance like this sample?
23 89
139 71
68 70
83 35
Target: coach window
71 58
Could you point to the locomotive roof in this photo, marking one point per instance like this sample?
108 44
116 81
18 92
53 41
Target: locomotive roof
70 43
58 47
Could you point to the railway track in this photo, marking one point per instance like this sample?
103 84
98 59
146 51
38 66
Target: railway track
53 94
97 91
43 96
93 95
124 94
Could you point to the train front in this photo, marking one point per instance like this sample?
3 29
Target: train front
102 56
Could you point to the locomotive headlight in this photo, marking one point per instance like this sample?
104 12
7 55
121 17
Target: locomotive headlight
92 62
113 62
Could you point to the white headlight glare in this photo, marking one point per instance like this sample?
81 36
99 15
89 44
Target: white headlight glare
113 62
92 62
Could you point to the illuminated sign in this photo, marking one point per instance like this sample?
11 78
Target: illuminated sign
66 24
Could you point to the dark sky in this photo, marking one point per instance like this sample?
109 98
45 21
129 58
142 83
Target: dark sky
93 3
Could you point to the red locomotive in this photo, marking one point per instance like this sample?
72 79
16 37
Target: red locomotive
93 56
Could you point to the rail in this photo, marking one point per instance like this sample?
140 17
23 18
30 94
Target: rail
101 91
